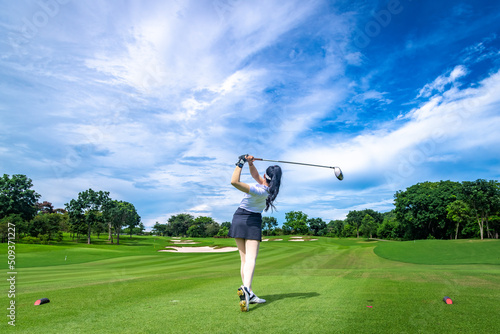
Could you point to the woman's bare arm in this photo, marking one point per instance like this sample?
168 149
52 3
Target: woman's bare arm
253 170
235 181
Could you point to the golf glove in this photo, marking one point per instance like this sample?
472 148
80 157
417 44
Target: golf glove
241 160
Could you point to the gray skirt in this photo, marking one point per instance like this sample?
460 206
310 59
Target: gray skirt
246 225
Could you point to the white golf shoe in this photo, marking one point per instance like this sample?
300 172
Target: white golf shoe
256 300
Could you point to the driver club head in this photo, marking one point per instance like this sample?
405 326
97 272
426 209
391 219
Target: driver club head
338 173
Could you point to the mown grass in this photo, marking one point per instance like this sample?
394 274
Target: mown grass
442 251
319 286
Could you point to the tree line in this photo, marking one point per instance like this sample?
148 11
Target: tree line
446 209
186 225
428 210
92 212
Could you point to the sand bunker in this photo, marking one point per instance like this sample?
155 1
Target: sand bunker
205 249
184 242
277 240
296 239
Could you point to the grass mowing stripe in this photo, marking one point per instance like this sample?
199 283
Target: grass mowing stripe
442 251
311 287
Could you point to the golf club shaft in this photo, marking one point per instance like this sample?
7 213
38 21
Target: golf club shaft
295 163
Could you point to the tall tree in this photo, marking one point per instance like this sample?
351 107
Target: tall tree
119 214
368 226
198 227
336 227
45 224
224 229
17 197
378 217
63 221
179 224
459 212
389 229
134 219
100 225
269 224
483 197
87 208
296 222
348 231
355 218
317 226
159 229
140 229
421 209
195 231
212 229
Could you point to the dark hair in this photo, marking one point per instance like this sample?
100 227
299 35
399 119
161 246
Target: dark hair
274 172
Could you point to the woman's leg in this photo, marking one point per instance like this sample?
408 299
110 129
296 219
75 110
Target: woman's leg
240 243
249 249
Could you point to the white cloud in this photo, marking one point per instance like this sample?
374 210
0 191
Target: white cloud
440 82
201 209
154 100
354 58
371 95
196 49
401 149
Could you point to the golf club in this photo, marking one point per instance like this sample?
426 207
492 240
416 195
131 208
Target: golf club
338 171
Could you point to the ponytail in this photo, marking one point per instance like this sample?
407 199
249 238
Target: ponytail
274 172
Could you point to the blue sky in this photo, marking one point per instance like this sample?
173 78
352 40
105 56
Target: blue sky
153 101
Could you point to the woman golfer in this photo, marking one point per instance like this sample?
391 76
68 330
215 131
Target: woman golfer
246 226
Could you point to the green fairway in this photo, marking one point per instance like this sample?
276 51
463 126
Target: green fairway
442 251
322 286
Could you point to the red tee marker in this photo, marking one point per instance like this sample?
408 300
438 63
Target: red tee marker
42 301
448 300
